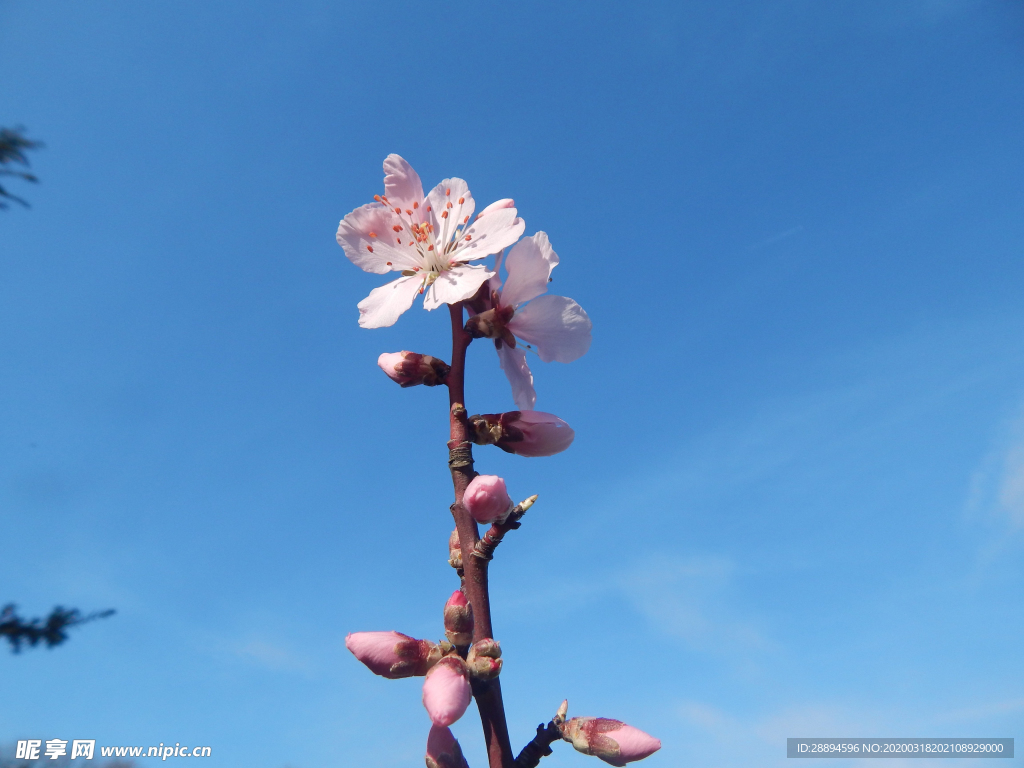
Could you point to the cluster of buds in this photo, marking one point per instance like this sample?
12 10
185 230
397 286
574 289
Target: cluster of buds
493 323
525 433
410 368
448 666
612 741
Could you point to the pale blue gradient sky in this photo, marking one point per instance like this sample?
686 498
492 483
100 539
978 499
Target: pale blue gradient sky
795 505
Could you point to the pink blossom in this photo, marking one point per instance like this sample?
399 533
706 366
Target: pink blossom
611 740
526 433
428 239
392 654
443 750
446 691
486 499
410 368
556 327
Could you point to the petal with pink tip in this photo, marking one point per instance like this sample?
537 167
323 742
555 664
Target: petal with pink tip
513 363
385 305
456 284
529 266
446 691
402 185
488 235
558 327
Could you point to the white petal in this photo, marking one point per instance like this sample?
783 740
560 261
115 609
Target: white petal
456 284
513 363
372 226
529 266
557 327
402 184
384 305
489 234
446 228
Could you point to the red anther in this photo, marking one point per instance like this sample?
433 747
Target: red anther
373 234
399 240
408 211
397 228
421 289
444 215
469 237
429 208
377 198
430 248
449 205
448 191
369 248
415 205
384 198
388 263
465 220
462 200
398 210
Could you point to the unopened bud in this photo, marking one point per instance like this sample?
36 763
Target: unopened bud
486 499
410 368
443 750
392 654
454 550
446 691
526 433
458 620
611 740
484 659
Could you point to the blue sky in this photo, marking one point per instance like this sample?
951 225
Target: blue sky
795 504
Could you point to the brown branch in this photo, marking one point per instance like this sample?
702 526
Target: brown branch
460 462
484 549
541 745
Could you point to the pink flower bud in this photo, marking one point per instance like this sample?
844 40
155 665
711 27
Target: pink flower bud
410 368
611 740
455 550
497 205
446 691
392 654
486 499
443 750
526 433
458 620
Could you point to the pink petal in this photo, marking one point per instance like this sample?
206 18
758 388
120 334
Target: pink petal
558 327
488 235
449 191
402 184
446 691
497 205
513 363
371 226
633 743
529 266
456 284
384 305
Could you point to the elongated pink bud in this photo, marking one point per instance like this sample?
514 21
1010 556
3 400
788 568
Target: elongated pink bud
410 368
458 620
392 654
443 750
611 740
446 691
487 499
526 433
